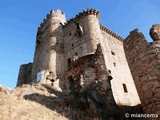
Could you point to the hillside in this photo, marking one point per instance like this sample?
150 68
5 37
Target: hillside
13 105
41 102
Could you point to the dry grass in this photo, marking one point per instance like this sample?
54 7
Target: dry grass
15 107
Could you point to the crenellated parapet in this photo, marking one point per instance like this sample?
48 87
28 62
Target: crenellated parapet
103 28
83 14
52 13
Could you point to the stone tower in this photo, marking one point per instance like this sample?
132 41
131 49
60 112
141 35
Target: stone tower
81 35
49 45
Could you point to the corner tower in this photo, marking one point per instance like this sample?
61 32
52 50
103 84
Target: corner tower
49 45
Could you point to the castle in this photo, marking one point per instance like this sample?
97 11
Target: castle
133 62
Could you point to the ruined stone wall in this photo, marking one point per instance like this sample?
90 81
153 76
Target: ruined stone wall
123 87
144 62
89 84
24 76
49 45
81 35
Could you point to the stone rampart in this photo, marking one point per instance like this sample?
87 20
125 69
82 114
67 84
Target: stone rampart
24 76
144 62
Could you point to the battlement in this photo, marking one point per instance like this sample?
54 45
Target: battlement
83 14
103 28
52 13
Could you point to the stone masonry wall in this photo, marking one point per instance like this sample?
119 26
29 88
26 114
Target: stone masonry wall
144 62
24 76
123 87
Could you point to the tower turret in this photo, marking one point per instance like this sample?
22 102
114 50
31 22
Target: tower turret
49 45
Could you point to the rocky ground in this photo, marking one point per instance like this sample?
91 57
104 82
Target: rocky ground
14 106
41 102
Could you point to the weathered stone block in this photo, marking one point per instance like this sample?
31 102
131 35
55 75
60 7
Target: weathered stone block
155 32
141 55
147 94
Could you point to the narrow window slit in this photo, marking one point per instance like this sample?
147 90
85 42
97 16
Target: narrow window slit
69 63
125 88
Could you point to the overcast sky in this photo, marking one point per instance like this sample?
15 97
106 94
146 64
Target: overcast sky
19 21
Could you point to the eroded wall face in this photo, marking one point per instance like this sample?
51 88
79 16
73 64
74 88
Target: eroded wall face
81 42
24 76
123 87
144 63
89 72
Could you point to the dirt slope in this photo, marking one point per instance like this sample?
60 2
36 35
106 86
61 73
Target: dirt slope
42 102
13 105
